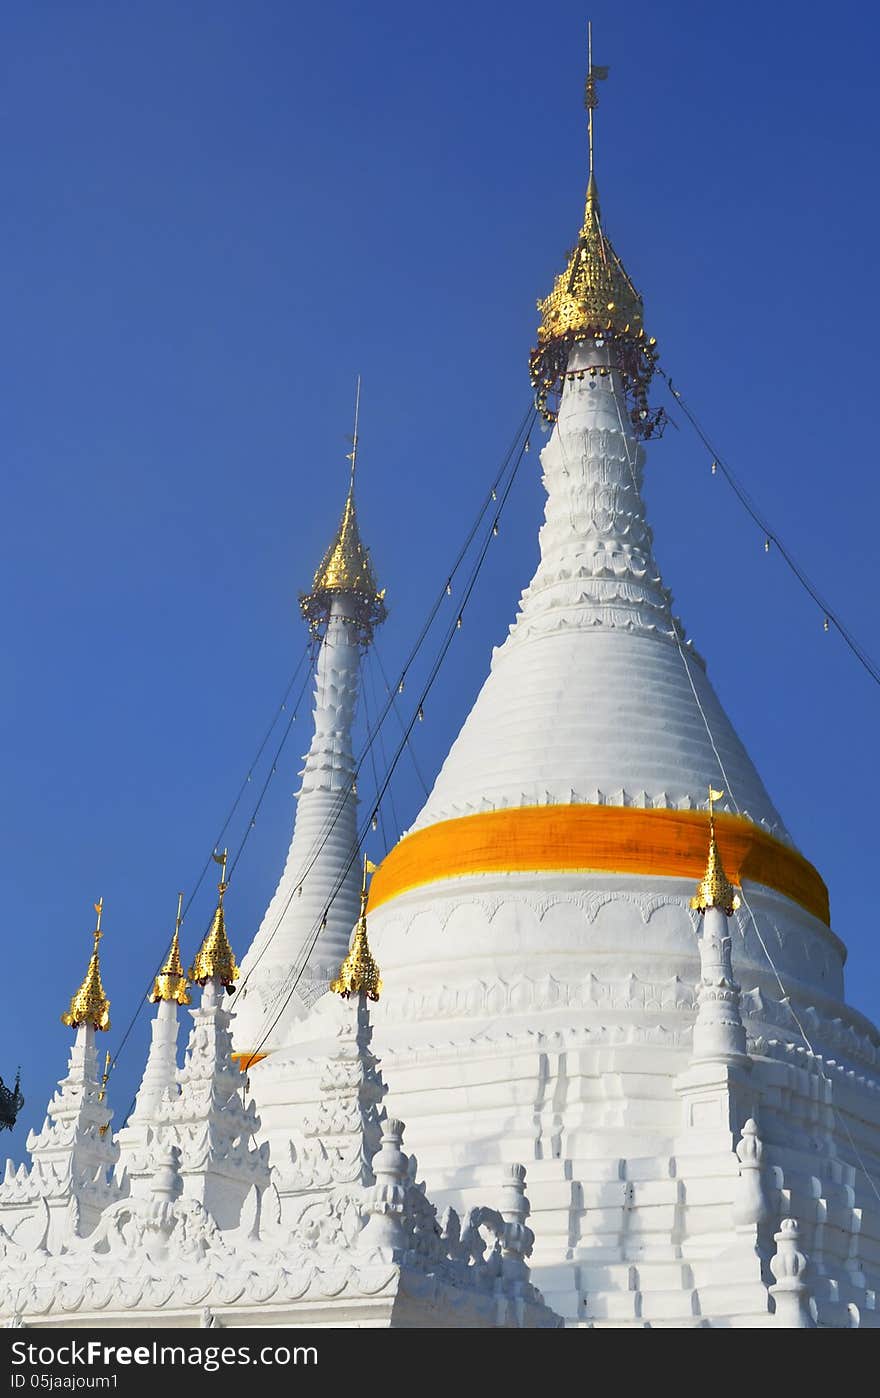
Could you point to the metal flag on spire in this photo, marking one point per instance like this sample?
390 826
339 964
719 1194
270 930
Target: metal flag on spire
595 74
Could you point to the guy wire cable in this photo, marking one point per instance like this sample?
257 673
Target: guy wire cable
374 686
772 536
388 690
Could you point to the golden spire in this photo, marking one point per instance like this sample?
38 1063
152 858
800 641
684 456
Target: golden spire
359 971
346 569
594 299
215 958
715 889
90 1005
170 984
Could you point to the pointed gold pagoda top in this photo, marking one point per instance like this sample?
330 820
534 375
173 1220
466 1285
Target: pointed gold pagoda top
715 889
359 971
215 959
594 294
170 984
90 1005
346 570
594 299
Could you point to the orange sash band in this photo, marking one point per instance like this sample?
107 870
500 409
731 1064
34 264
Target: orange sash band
613 839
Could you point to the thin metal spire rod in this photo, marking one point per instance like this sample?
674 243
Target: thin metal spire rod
591 100
352 455
590 104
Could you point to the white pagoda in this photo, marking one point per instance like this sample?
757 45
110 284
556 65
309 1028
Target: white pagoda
603 962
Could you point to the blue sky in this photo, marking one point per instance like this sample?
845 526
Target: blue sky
214 217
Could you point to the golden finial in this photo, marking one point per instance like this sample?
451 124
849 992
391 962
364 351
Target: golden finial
594 300
90 1005
215 959
170 984
359 972
715 889
346 569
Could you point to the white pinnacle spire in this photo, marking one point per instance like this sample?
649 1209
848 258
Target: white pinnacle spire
307 927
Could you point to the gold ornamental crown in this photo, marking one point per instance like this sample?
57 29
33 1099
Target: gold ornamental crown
346 570
170 984
215 959
359 971
594 295
594 300
715 889
89 1004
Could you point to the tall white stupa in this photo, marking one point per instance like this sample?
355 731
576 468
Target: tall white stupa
679 1069
307 926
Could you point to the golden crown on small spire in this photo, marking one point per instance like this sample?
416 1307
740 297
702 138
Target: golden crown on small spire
90 1005
170 984
215 959
346 569
715 889
359 972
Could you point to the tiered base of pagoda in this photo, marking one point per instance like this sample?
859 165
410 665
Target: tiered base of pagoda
558 1058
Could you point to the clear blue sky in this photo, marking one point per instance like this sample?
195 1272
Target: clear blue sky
213 217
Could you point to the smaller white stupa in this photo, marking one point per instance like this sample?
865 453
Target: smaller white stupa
306 929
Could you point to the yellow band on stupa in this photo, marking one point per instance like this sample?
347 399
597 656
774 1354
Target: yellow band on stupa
611 839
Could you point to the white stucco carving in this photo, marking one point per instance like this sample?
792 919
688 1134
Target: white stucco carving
344 1236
